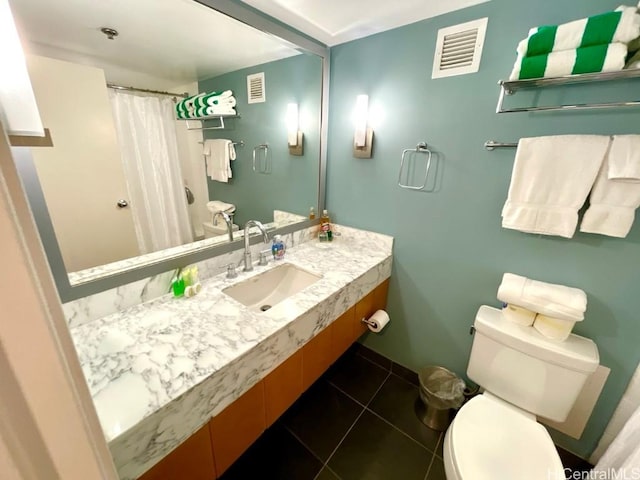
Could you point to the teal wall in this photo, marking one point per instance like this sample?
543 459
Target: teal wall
450 250
293 184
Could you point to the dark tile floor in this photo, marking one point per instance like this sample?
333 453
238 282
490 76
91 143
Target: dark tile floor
356 423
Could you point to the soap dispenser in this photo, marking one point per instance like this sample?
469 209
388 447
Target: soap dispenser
278 247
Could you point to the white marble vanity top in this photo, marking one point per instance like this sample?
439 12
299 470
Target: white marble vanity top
159 370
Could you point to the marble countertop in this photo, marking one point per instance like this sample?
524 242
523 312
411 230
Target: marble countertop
157 371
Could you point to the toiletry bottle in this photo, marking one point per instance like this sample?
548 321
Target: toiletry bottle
278 248
312 213
325 227
177 284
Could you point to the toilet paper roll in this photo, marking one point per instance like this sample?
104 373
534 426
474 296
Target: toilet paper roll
378 321
553 328
518 315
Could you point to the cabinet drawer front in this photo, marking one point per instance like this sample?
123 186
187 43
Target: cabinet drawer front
282 387
193 459
316 357
235 428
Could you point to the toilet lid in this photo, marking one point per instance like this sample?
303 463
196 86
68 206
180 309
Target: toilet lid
492 441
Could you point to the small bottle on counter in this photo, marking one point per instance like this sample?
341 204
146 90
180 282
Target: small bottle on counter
312 213
325 235
278 248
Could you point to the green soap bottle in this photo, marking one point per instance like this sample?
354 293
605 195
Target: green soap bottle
178 285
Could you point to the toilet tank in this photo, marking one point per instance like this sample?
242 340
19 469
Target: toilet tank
519 365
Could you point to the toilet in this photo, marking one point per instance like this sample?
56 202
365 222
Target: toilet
495 435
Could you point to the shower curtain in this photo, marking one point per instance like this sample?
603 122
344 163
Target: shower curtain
622 458
146 133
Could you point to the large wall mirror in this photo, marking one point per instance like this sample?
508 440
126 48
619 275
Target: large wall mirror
138 170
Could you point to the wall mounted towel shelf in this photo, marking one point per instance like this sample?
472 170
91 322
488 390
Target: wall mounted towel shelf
510 87
492 145
220 119
421 148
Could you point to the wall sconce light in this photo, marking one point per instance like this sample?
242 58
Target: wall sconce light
295 138
363 138
18 108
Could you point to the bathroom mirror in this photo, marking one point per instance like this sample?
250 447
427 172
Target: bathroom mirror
127 191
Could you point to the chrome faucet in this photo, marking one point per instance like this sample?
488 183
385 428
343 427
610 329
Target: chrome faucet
227 220
248 264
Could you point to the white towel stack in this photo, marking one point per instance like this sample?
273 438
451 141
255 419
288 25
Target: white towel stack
219 153
557 307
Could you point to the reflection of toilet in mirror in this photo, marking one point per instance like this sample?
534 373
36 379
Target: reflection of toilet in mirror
216 226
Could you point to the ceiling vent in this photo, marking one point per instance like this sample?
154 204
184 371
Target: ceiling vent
459 49
255 88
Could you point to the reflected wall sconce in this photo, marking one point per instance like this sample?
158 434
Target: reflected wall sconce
295 137
18 108
363 138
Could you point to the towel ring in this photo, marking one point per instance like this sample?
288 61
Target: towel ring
420 148
256 167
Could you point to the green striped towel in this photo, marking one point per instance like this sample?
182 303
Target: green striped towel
619 26
599 58
206 99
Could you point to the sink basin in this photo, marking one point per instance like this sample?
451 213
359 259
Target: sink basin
263 291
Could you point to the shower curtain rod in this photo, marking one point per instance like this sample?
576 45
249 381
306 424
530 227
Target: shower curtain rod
144 90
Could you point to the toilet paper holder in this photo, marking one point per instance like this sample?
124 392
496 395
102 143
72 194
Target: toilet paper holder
368 322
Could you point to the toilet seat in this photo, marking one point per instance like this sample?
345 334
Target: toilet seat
491 440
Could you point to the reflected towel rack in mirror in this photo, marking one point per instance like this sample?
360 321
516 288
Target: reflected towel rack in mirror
492 144
420 148
220 119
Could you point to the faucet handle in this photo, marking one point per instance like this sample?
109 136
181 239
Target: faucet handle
264 258
231 270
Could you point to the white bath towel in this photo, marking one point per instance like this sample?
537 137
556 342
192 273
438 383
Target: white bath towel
219 206
558 301
624 159
219 153
550 181
613 205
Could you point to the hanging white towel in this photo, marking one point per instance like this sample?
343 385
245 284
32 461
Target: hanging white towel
550 181
624 159
613 205
557 301
219 153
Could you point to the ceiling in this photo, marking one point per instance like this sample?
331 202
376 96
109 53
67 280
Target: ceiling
338 21
161 42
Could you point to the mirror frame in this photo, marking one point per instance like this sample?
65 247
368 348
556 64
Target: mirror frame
24 162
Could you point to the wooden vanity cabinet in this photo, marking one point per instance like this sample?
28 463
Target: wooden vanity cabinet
239 425
192 460
229 434
282 387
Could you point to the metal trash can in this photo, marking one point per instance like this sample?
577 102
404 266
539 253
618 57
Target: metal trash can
440 392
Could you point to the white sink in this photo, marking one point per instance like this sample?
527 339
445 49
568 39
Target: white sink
263 291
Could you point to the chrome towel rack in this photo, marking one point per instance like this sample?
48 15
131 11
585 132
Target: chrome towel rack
492 145
220 119
421 148
511 87
257 164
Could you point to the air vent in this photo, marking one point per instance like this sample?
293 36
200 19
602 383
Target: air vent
255 88
459 49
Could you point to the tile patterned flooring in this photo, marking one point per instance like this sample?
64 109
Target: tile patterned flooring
357 422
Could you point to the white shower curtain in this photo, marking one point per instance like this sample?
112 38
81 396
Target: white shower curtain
622 458
149 151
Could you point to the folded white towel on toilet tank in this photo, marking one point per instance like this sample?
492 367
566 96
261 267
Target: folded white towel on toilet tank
550 181
557 301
